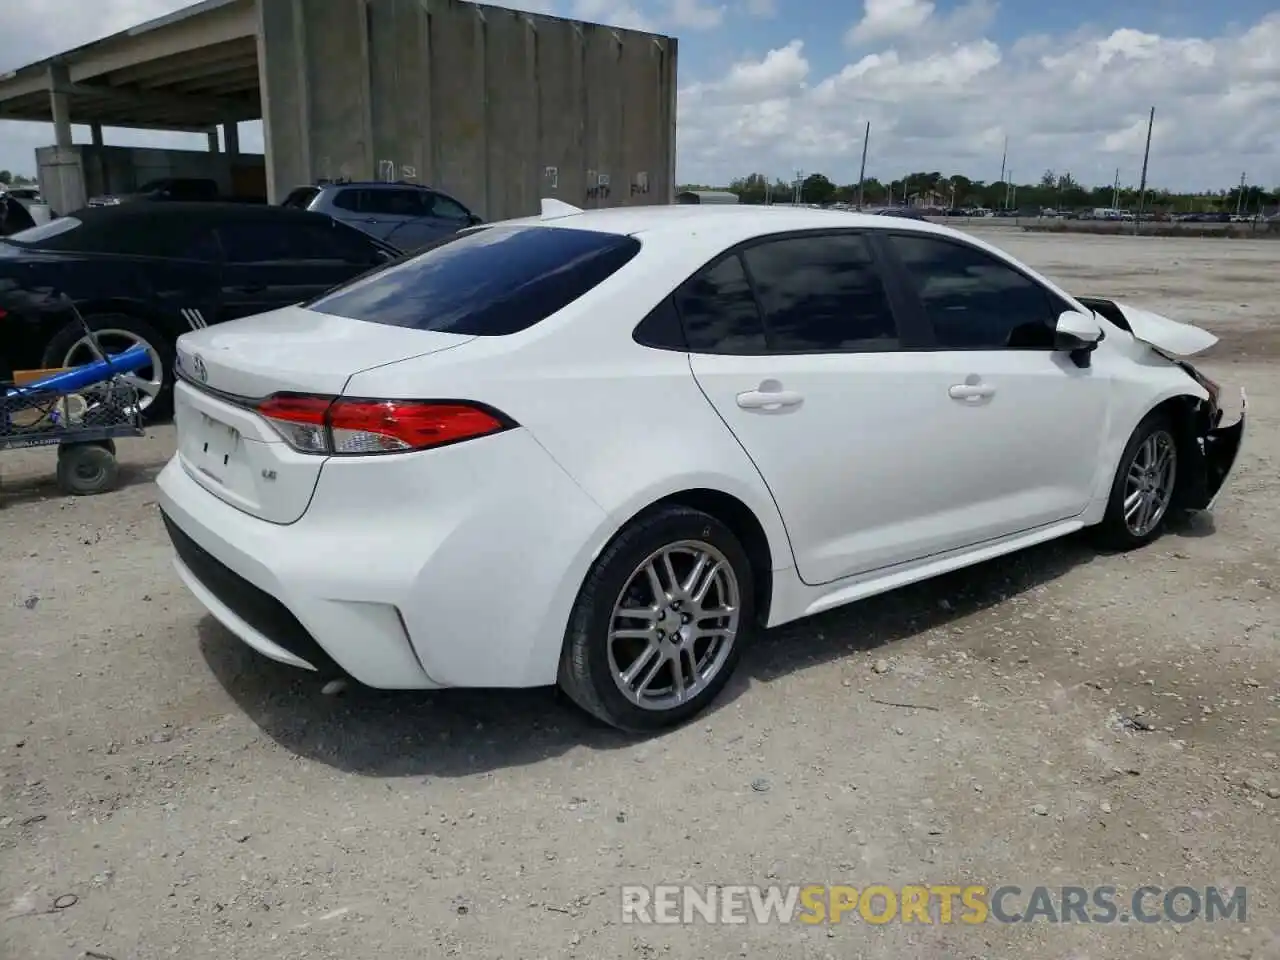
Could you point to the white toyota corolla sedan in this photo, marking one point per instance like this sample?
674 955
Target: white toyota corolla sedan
603 448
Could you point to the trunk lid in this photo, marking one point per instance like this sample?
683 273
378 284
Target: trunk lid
225 446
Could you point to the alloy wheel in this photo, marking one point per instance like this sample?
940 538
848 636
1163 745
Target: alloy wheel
148 381
674 625
1149 483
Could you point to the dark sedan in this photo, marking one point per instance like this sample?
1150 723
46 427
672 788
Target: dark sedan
146 273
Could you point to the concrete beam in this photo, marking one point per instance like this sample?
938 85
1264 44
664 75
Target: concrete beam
218 26
231 137
230 107
119 125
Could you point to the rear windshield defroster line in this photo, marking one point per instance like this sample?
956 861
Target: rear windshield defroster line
491 282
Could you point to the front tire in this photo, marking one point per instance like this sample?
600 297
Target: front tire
1145 486
118 332
660 622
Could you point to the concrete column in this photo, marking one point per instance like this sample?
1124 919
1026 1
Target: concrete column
95 131
213 140
59 104
231 138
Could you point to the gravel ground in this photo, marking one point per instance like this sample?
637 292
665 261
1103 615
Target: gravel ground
1070 719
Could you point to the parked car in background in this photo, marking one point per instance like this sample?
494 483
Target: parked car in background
174 189
142 273
14 216
408 215
602 448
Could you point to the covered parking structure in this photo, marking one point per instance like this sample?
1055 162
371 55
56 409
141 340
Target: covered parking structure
194 70
497 107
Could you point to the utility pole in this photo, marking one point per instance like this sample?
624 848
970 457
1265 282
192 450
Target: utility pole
862 173
1115 192
797 195
1142 186
1003 159
1010 191
1240 194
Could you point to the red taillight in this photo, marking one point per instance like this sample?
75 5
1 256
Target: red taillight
327 425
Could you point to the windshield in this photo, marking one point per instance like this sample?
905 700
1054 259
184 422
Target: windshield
36 236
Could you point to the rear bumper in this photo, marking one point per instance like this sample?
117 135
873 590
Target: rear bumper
448 568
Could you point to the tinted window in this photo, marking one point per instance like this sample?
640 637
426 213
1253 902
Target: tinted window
821 295
142 236
260 241
45 236
347 200
448 209
301 198
719 311
394 203
973 300
487 283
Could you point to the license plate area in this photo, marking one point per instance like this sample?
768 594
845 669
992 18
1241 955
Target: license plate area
213 446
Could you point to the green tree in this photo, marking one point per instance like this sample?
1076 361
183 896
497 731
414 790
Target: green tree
6 177
816 188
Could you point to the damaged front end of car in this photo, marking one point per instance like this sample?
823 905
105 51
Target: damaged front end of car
1208 450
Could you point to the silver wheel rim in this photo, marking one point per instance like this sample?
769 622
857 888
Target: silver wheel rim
146 381
674 625
1149 482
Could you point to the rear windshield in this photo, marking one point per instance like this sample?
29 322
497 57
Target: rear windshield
43 236
489 282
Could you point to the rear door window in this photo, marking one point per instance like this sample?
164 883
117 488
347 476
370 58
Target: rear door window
395 203
719 311
487 283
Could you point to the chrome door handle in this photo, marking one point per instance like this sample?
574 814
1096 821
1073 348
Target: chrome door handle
971 391
769 399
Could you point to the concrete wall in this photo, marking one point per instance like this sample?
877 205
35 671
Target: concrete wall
70 175
497 107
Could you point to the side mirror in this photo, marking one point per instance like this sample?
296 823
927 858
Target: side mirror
1077 334
474 221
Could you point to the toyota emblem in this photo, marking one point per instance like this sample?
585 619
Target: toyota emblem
201 370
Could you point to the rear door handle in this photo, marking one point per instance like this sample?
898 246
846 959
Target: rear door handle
971 391
769 399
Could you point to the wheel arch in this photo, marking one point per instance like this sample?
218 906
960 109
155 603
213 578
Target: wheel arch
1186 410
739 518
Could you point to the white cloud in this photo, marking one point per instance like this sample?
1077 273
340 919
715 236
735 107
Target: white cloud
944 99
695 15
885 19
762 9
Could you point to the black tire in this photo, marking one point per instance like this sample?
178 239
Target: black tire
85 469
586 675
161 408
1114 532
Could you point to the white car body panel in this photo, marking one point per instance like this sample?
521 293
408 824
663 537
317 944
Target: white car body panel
1172 336
460 566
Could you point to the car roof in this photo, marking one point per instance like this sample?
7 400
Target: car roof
725 225
188 210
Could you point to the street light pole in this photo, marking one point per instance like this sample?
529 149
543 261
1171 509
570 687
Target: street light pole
862 173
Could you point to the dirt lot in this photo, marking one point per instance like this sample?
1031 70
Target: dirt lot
187 798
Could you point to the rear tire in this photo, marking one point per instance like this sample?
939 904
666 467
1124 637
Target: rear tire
698 625
161 406
1144 490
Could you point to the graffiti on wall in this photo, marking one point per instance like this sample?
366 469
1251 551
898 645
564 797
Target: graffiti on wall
389 171
597 185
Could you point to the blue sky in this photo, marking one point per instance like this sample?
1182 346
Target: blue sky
774 86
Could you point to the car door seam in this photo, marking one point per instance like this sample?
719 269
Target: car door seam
755 466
